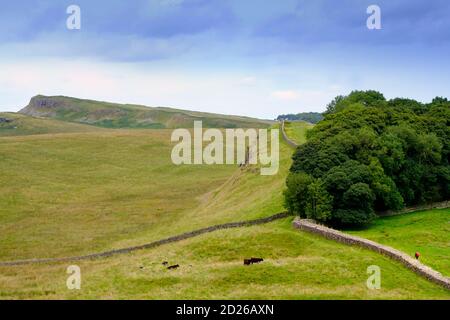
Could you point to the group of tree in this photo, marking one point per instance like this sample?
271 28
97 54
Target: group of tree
311 117
369 155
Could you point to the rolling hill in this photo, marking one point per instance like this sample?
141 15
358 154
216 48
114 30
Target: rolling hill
15 124
86 192
113 115
296 130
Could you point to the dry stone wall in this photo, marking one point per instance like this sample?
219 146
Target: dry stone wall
286 138
154 244
428 206
409 262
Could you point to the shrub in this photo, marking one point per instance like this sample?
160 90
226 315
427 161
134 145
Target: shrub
296 194
319 204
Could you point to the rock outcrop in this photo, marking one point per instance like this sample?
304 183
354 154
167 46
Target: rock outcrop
41 106
5 120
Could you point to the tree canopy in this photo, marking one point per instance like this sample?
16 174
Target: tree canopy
311 117
368 155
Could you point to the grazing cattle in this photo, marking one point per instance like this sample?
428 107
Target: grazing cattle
417 255
257 260
173 267
165 263
250 261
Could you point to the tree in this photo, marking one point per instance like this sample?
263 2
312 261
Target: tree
357 206
320 203
353 217
365 98
386 193
311 117
359 196
296 194
383 154
440 100
331 107
408 104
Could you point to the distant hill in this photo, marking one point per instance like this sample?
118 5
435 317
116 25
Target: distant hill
311 117
14 124
113 115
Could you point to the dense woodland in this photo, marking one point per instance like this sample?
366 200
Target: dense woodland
369 155
311 117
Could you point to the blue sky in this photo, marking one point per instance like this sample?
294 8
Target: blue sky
250 57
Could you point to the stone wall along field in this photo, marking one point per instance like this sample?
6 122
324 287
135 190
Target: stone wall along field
409 262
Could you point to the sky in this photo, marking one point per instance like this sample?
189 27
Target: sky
248 57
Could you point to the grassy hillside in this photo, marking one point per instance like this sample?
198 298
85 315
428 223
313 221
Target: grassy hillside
296 130
85 192
426 232
297 266
112 115
60 188
15 124
123 180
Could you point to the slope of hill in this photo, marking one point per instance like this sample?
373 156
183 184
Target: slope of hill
83 193
426 232
296 130
296 266
123 180
112 115
14 124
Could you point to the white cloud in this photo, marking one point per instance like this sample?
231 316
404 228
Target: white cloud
285 95
156 84
247 81
139 83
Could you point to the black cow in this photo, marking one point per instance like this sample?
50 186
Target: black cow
250 261
173 267
257 260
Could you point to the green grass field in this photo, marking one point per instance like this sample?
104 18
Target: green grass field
77 193
297 266
60 188
296 130
68 194
426 232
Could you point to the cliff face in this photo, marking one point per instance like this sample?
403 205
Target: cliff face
41 106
